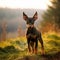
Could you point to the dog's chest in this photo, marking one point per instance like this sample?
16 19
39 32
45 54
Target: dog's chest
32 33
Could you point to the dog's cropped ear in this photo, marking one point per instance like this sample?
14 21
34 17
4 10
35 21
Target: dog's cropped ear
25 16
35 16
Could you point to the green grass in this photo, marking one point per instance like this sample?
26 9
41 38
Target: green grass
55 37
17 48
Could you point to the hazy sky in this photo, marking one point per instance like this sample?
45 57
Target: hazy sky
39 4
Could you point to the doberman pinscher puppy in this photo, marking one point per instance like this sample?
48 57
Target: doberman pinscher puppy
33 35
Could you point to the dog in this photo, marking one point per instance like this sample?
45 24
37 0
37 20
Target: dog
33 35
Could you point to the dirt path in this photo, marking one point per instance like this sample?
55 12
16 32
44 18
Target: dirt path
45 57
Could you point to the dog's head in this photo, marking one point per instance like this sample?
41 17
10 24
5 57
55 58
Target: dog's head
30 21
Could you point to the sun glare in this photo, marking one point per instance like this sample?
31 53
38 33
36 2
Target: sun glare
35 4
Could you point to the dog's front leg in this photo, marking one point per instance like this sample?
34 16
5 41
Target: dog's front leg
28 41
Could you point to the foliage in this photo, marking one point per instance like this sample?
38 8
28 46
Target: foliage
8 49
55 37
17 48
51 17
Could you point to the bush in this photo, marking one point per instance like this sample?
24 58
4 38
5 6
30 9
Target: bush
53 37
2 51
8 49
53 43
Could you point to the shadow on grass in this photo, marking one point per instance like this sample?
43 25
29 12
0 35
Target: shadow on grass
43 57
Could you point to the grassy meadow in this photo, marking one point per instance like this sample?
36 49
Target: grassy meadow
15 49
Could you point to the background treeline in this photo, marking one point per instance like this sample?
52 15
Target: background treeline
51 17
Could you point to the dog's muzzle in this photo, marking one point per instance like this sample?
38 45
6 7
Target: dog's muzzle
28 25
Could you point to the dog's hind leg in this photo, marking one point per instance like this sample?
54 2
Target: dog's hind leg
36 46
42 45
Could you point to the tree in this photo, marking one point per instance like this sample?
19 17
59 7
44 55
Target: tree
19 31
4 32
52 15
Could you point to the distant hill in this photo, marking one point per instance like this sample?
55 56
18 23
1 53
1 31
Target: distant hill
14 18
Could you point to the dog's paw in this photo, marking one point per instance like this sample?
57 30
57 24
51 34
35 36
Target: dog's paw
42 52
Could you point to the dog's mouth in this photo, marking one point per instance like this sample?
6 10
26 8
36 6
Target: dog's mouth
31 26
